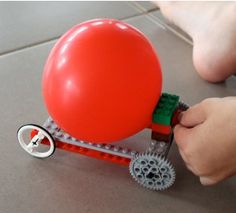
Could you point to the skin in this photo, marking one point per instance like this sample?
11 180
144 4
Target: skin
206 138
206 135
212 28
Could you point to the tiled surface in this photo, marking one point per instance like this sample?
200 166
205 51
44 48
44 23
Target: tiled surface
147 5
26 23
171 27
176 60
71 183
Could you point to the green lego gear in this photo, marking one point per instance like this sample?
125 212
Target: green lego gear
165 108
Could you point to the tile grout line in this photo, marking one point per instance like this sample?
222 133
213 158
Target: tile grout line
136 5
6 53
143 9
151 18
146 12
158 21
22 48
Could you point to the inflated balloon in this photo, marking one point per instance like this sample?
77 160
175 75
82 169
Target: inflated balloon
102 81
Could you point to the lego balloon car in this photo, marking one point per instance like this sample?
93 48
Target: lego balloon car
102 82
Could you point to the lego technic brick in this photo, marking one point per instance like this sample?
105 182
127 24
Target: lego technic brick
176 117
161 137
90 152
165 109
160 128
106 152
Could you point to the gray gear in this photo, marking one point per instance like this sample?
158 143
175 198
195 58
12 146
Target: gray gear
182 106
152 171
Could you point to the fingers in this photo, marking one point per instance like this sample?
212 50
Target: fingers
207 181
186 161
229 98
200 112
185 139
182 136
200 134
215 177
193 116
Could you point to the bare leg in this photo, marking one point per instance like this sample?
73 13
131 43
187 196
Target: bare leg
212 26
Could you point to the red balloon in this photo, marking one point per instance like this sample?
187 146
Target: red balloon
102 81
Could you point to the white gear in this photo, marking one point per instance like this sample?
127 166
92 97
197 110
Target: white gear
152 171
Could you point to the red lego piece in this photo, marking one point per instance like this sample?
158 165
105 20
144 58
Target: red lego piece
175 118
88 152
160 128
161 137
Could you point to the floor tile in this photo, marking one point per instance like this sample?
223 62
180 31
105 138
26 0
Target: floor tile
179 75
173 28
146 5
72 183
25 23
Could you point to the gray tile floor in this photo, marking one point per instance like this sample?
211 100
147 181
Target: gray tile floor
72 183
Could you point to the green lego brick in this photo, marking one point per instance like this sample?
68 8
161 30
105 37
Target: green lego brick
165 108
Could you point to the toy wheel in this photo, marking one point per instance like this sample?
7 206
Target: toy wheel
34 146
152 171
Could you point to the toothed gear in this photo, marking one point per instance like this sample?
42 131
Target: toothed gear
152 171
182 106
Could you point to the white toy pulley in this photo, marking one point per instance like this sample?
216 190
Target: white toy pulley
34 146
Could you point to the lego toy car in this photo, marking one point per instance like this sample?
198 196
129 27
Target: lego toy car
102 83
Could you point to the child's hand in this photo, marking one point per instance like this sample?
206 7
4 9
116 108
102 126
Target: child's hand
206 138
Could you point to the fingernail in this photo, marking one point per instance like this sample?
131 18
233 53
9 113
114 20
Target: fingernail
206 181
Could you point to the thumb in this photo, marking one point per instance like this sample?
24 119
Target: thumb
193 116
182 135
